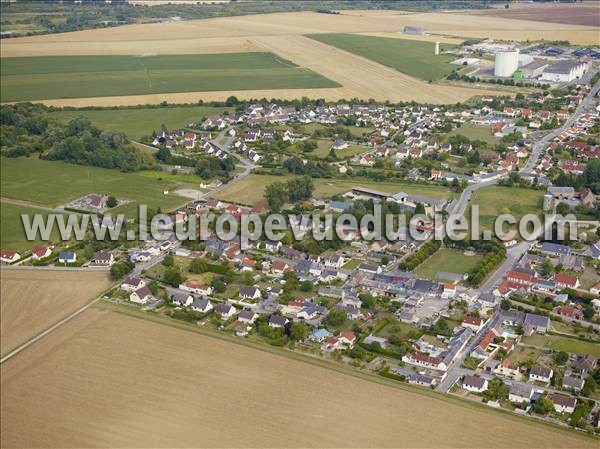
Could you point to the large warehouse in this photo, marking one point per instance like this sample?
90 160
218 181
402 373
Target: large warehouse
534 69
564 71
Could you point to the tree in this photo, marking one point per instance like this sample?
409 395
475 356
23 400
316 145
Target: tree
563 209
169 260
590 386
173 277
505 304
560 358
121 269
496 390
198 266
306 286
298 331
368 302
111 202
547 267
276 195
336 317
543 405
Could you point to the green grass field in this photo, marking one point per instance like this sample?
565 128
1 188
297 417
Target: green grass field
563 344
52 183
476 132
12 235
251 189
497 200
414 58
137 123
448 260
52 77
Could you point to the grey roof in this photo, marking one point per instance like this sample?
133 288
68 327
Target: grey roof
541 371
532 319
555 248
535 65
246 314
522 390
562 400
474 381
573 382
563 67
248 291
200 303
278 320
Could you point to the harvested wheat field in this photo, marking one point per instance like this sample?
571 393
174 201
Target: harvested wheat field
283 34
113 380
587 13
33 300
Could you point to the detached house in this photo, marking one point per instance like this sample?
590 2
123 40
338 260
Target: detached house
141 296
225 311
475 384
563 404
132 283
249 292
540 373
40 252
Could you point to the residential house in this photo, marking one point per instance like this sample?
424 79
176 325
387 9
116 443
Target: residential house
539 373
247 317
225 311
202 305
474 384
520 393
104 258
573 382
67 257
472 322
141 296
569 312
249 292
194 287
563 404
182 299
132 283
278 321
40 252
565 281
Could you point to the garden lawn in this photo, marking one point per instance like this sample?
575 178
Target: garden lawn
557 343
497 200
448 260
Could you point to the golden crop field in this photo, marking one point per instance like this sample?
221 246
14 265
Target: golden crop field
108 379
283 34
32 301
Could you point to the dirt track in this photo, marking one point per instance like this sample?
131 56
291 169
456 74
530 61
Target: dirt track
110 380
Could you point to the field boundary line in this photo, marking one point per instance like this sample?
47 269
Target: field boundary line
52 328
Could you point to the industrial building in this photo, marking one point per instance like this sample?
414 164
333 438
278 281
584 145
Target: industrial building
534 69
564 71
414 30
507 62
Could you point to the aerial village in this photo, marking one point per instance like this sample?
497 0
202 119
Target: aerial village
517 329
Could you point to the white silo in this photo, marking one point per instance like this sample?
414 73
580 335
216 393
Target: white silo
506 62
437 48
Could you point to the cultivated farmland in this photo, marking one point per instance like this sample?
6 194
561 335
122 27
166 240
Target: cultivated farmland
51 77
251 189
115 381
412 57
31 302
52 183
137 123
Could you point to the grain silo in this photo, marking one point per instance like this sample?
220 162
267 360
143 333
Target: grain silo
506 62
437 48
